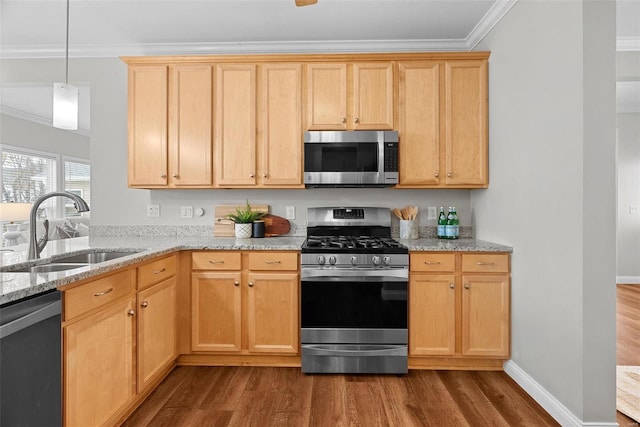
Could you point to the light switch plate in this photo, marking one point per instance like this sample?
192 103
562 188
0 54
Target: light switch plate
634 209
432 212
186 211
153 211
291 212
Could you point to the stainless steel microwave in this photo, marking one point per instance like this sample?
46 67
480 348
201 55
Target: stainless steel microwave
350 158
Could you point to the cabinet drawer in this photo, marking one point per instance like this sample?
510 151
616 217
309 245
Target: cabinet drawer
218 260
156 271
94 294
273 261
492 263
432 262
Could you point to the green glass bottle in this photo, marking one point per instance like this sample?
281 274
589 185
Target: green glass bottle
455 224
448 229
442 224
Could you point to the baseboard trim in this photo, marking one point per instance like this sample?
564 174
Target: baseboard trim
553 406
628 280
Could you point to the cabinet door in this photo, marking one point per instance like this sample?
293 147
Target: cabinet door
156 330
281 125
485 315
190 116
466 133
216 311
372 96
147 125
432 315
326 96
98 365
273 313
235 125
419 123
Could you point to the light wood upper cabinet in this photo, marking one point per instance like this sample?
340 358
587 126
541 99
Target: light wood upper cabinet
147 126
354 96
190 117
235 125
442 124
280 126
466 123
170 117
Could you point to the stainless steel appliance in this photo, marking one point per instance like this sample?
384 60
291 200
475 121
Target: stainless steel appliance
30 362
350 158
354 280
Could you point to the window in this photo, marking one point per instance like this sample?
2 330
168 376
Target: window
26 175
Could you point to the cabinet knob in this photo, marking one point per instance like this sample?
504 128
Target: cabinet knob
452 286
264 175
236 283
436 174
131 313
449 174
344 120
252 175
466 286
251 284
144 304
357 120
175 175
164 175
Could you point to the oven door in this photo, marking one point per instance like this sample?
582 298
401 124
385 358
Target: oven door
354 320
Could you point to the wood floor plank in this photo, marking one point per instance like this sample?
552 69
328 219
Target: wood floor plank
436 403
401 404
328 401
226 390
627 335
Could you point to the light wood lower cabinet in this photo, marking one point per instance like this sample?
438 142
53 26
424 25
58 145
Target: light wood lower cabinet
245 302
117 343
459 310
99 365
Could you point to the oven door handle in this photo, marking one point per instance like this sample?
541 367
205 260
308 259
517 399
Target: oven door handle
354 350
360 275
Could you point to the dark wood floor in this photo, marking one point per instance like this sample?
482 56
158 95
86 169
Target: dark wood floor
628 334
247 396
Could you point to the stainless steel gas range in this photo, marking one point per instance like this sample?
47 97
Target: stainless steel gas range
354 293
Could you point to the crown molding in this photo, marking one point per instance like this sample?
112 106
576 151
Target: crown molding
488 21
628 44
36 118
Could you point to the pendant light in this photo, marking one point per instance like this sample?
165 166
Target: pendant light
65 96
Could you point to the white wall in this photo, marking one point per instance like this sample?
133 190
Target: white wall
552 139
628 233
26 134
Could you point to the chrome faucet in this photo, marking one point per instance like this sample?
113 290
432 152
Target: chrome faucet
36 246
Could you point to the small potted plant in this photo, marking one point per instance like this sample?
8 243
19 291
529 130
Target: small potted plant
243 219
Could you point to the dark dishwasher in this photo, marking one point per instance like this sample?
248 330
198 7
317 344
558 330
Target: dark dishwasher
30 366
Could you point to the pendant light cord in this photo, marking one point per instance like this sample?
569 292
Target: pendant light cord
67 49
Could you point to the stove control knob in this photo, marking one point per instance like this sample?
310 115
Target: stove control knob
375 260
321 260
332 260
386 260
354 260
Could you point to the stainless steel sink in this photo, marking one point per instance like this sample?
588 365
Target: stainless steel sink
48 268
93 257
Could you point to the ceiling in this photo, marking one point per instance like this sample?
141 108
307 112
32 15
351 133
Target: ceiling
112 28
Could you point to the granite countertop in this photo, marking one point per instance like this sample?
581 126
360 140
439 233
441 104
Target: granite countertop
15 286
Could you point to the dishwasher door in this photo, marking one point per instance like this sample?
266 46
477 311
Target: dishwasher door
30 362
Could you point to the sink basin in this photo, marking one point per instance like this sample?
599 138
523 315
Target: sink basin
48 268
93 257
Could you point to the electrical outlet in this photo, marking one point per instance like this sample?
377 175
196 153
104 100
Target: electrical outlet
153 211
432 212
634 209
291 212
186 211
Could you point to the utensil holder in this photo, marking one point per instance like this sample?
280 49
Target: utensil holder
408 229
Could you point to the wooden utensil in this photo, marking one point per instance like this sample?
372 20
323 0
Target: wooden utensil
275 225
397 213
